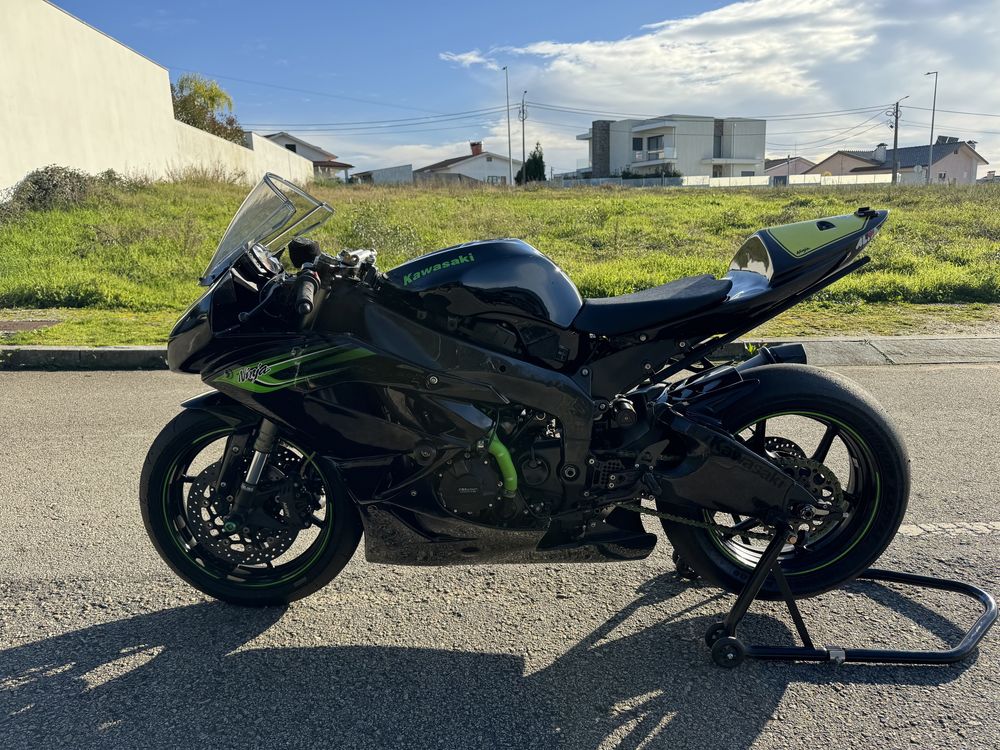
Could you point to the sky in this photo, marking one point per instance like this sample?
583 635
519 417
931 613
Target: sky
374 81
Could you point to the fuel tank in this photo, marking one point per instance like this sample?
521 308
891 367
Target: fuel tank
493 276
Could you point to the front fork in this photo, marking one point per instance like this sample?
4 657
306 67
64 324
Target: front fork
242 505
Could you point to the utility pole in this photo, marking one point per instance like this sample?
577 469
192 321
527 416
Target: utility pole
522 115
510 162
930 147
894 112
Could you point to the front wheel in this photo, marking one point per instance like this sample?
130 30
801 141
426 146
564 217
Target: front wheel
314 533
834 439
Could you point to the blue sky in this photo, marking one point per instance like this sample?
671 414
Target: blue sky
386 60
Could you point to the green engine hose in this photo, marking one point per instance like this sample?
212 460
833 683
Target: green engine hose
502 456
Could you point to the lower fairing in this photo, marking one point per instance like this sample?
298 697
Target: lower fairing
390 538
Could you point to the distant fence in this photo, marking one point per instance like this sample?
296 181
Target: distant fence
724 182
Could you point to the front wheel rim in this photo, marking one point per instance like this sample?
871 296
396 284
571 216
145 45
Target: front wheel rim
173 507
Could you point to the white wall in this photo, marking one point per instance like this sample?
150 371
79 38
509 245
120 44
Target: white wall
401 175
72 96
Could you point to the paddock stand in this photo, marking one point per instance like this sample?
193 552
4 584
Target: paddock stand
729 651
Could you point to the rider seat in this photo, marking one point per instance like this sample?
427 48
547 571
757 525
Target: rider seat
611 316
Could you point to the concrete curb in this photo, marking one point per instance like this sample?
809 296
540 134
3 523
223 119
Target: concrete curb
83 358
889 350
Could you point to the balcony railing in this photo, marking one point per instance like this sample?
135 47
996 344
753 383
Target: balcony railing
655 155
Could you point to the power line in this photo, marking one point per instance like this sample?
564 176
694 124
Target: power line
343 97
835 137
401 120
954 111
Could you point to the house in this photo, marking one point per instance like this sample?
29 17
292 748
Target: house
401 175
955 162
477 166
689 144
787 166
990 178
325 164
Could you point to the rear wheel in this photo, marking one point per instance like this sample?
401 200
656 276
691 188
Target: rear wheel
311 531
835 440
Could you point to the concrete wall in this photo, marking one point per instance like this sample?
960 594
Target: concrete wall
72 96
401 175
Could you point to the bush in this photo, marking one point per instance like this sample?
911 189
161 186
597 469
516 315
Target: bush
53 187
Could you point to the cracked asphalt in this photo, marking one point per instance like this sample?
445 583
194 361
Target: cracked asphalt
101 646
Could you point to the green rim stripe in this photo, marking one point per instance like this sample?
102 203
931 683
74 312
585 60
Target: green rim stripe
171 530
875 505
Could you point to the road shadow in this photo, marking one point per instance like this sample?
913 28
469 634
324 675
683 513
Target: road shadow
180 678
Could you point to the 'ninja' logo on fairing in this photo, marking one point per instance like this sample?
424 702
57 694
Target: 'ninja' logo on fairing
467 258
250 374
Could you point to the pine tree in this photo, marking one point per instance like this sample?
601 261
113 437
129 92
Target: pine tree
534 166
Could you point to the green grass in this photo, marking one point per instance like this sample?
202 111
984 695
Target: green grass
120 267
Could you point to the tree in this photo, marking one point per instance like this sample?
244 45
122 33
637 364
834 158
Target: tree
534 167
203 104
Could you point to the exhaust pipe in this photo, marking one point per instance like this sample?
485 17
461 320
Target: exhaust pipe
772 355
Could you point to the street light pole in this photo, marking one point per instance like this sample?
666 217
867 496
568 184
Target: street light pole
930 147
510 163
522 115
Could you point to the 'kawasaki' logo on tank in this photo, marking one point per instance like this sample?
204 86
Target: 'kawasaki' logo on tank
410 277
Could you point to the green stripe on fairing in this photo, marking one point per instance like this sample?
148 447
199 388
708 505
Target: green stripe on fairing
327 530
871 518
327 357
804 237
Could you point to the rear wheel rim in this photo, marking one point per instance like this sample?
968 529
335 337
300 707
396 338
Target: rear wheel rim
278 572
863 489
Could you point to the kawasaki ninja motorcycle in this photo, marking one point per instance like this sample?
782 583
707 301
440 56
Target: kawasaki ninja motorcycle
469 406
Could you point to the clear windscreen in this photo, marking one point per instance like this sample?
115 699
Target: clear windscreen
273 213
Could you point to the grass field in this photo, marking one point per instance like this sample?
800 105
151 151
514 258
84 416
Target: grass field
119 268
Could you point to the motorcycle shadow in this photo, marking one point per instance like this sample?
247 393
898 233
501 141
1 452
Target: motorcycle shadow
179 678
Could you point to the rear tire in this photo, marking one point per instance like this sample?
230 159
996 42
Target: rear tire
161 503
879 474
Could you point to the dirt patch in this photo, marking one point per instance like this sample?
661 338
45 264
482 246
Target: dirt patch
17 326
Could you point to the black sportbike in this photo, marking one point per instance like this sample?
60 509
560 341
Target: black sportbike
469 407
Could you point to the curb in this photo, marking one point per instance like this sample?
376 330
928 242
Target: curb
83 358
889 350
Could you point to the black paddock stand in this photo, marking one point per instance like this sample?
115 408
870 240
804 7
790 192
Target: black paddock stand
729 651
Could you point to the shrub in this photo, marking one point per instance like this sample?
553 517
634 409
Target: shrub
54 187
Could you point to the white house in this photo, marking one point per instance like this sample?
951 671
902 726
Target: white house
479 165
325 164
955 162
689 144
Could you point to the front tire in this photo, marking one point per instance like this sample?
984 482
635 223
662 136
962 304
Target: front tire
165 507
876 480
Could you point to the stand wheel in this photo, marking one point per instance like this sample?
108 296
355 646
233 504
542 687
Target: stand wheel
728 652
714 633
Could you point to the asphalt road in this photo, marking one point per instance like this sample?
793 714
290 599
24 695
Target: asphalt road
100 646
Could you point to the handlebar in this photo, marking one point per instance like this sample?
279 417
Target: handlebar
306 284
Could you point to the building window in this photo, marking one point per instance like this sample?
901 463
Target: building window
747 173
637 144
716 170
489 158
654 143
291 147
942 176
495 180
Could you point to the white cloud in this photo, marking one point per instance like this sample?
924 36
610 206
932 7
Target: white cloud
767 57
469 59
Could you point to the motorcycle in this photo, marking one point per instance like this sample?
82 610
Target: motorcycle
468 406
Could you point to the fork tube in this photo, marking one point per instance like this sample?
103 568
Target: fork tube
262 447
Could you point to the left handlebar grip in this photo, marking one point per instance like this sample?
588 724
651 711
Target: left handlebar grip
305 288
